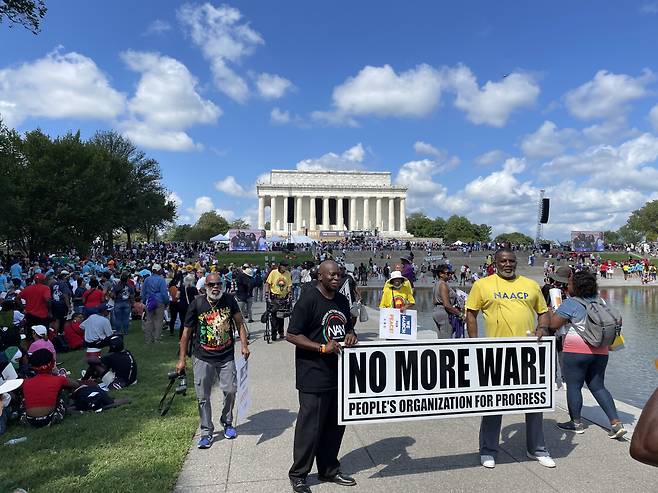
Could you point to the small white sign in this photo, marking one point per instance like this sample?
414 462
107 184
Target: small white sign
243 397
393 324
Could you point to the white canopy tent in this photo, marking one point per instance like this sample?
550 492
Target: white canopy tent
220 237
301 239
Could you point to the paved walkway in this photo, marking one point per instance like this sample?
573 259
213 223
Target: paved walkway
421 456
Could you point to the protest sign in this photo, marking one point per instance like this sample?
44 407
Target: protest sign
393 324
401 381
243 397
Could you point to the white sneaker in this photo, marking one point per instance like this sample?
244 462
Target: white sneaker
544 460
488 461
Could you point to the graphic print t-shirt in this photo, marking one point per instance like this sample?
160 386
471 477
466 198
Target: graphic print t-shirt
212 327
321 320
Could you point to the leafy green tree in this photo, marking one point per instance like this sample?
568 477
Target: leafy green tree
645 220
27 13
419 225
179 232
629 235
459 228
135 180
515 238
612 237
482 232
239 224
208 225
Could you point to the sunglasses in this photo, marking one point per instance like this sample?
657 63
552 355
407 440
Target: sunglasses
213 284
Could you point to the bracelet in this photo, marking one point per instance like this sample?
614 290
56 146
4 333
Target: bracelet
323 348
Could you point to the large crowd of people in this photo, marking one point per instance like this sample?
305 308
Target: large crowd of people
68 302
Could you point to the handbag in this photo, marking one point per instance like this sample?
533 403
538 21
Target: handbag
355 310
363 313
618 343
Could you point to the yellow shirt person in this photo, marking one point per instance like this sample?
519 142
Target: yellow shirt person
397 292
509 307
279 283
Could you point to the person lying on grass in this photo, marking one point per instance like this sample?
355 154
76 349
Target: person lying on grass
44 393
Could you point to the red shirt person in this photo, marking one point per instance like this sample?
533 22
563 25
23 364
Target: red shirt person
37 302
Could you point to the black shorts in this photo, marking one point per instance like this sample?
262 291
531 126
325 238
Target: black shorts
31 321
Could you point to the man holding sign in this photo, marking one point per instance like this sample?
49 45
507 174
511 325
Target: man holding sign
319 322
509 304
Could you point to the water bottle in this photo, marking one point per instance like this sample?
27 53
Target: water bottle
14 441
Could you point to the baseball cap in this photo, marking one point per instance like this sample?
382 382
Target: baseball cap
157 267
41 330
39 276
396 274
561 274
64 272
284 263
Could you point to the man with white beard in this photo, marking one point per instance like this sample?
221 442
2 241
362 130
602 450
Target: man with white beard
210 321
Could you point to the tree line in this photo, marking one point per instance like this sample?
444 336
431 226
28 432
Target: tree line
453 229
64 192
208 225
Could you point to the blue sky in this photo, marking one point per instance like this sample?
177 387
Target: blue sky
474 106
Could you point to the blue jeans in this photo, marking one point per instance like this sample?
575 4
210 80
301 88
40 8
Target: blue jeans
121 317
590 369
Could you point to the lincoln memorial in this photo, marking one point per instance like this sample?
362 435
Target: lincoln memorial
310 202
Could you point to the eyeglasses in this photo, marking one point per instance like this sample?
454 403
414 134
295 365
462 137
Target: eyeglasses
214 284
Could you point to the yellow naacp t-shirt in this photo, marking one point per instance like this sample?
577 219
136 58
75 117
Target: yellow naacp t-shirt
509 308
279 283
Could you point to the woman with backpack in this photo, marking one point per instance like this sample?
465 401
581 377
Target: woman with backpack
583 361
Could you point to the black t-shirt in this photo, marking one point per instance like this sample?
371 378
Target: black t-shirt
321 320
212 328
123 293
123 365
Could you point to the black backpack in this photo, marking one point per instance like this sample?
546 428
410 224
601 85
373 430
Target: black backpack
91 398
602 322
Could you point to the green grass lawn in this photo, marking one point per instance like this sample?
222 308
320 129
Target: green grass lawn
623 256
258 258
127 449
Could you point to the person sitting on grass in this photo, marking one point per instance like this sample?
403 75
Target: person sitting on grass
97 330
40 337
73 333
43 394
118 369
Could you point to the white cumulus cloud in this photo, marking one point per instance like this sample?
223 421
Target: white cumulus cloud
380 91
495 101
629 165
158 26
271 86
224 39
205 204
279 116
230 186
165 103
59 85
495 156
653 116
415 93
351 159
607 95
548 141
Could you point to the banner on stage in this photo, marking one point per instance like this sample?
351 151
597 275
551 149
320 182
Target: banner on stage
243 396
445 378
393 324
